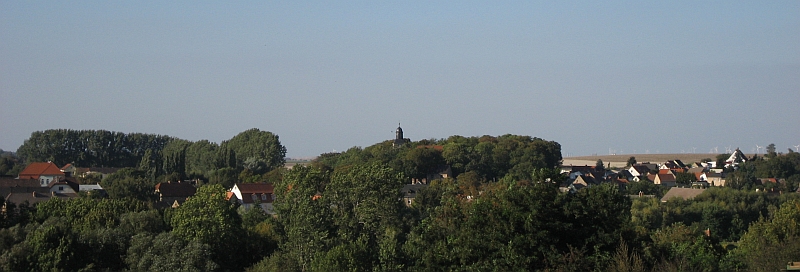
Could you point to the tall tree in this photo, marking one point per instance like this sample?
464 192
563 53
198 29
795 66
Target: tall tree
631 161
771 153
259 147
303 217
209 218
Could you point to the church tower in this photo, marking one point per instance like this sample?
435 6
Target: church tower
398 137
398 133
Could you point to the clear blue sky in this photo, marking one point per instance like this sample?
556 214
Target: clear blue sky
663 76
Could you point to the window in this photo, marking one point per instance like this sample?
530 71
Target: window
61 188
263 196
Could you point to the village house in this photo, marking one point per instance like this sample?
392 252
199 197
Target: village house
44 172
667 180
410 191
173 194
250 195
30 191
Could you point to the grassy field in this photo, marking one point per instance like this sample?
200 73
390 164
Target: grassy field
620 160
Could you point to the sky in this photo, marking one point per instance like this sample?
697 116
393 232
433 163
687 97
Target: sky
620 77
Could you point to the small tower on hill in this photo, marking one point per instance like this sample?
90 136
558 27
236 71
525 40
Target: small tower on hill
398 137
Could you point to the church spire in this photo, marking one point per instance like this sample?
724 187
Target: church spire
399 132
398 136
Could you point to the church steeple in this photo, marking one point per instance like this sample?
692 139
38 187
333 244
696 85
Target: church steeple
398 137
398 133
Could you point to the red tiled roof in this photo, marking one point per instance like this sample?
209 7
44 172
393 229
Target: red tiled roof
36 169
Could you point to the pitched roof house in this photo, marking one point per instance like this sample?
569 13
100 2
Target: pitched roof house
713 179
67 186
410 191
250 194
174 193
639 170
665 180
19 191
10 185
45 172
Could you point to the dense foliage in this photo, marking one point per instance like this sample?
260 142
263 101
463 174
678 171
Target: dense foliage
501 210
99 148
159 156
485 157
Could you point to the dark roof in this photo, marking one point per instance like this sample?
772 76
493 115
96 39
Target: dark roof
589 180
69 181
260 187
24 186
625 173
411 190
642 169
666 178
176 189
35 197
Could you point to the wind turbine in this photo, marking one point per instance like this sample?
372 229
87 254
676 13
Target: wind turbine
693 149
716 149
758 147
796 147
728 150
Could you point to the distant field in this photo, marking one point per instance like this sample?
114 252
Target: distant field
291 163
621 160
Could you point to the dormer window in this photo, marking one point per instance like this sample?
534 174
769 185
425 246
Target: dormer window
263 196
255 197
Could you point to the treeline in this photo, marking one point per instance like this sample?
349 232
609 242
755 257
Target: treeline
90 148
479 158
254 151
502 211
